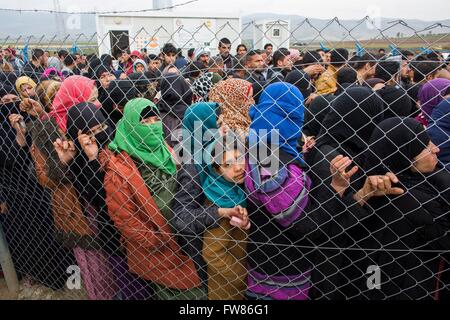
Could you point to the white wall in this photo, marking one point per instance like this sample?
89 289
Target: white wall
263 33
183 32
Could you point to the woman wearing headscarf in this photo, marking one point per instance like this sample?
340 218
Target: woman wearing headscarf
25 87
119 93
316 113
75 228
74 90
28 223
439 130
288 208
89 130
7 79
176 97
430 95
140 184
235 97
202 86
414 227
345 131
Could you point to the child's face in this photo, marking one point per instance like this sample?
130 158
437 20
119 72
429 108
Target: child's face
233 167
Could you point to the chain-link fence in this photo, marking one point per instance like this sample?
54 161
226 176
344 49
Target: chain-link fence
226 162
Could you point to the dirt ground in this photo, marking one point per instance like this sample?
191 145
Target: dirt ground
39 292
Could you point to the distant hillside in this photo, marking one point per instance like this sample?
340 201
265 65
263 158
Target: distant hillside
345 30
23 25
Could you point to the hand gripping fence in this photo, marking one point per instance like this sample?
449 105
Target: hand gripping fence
316 171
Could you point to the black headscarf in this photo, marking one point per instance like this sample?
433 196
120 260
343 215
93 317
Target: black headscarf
93 64
397 103
301 80
176 95
119 93
349 124
6 88
8 78
140 81
9 149
85 116
316 113
395 144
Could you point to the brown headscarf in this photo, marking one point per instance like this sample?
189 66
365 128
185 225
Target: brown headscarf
233 96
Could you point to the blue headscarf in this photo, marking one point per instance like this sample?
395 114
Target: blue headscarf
219 191
281 107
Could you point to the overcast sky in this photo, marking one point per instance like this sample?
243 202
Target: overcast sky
348 9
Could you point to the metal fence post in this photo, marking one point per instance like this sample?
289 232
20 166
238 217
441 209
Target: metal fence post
7 265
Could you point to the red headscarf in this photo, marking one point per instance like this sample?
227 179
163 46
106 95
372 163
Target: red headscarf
74 90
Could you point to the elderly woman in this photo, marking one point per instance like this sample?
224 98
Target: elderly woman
413 228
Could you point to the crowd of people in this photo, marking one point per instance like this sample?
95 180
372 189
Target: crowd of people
269 174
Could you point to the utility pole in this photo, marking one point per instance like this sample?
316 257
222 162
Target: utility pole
59 20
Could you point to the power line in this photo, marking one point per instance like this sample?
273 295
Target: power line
97 12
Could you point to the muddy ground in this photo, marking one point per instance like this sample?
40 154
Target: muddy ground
29 291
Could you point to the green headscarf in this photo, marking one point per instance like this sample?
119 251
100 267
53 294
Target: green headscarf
219 191
143 142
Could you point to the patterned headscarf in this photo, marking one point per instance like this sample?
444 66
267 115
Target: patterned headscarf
235 99
202 86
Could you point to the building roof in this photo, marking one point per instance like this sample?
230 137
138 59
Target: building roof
267 21
173 14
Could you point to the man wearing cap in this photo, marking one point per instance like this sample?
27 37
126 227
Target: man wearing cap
202 55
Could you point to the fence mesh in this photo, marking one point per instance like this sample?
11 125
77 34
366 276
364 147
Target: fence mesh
304 169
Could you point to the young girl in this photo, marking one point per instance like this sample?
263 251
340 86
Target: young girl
224 247
194 213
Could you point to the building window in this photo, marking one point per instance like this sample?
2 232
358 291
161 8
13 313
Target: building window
276 32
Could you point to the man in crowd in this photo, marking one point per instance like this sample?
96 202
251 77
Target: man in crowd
154 63
268 48
9 54
216 65
69 68
36 67
169 54
224 52
202 55
282 65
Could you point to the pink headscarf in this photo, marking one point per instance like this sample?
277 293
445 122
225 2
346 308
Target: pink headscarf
49 73
74 90
294 55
